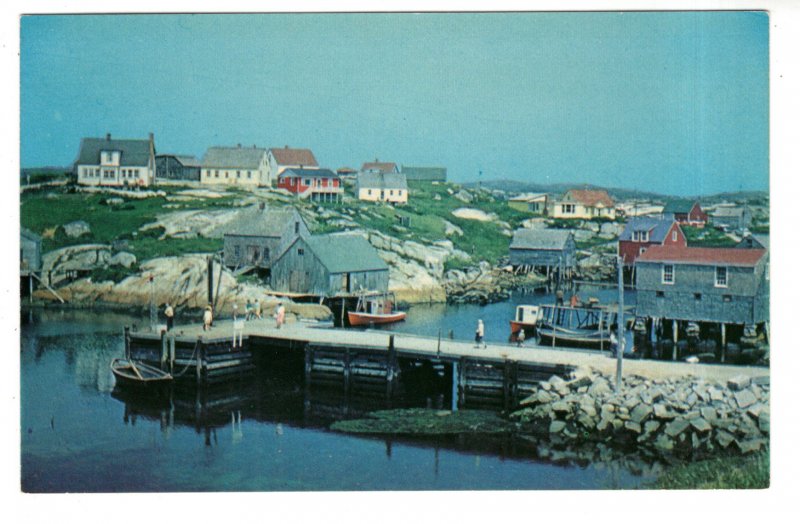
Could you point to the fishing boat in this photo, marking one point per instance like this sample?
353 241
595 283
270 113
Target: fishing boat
375 309
138 374
524 320
589 327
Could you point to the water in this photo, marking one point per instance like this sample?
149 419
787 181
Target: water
79 435
462 319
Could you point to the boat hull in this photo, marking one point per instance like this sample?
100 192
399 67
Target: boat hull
367 319
138 375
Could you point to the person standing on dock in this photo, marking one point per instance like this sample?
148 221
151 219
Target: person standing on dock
520 338
574 301
208 318
257 309
479 334
280 315
170 314
248 310
559 298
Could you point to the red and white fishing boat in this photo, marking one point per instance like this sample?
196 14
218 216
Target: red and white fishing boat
377 309
525 319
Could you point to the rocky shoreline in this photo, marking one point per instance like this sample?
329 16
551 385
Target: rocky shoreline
683 417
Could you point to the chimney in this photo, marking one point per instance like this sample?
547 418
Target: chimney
152 137
239 146
108 136
286 147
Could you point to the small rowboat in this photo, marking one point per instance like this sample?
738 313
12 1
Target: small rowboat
132 373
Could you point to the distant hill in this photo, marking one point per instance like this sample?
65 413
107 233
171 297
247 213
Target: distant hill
516 186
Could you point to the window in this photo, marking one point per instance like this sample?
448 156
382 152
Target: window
296 228
674 236
667 274
726 298
642 250
236 251
568 209
698 296
660 294
721 277
369 191
307 182
216 173
391 192
301 251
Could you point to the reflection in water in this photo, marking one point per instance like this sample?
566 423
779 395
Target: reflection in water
80 434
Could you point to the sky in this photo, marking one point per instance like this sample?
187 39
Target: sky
675 103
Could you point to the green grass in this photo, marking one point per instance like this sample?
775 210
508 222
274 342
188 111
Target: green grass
749 472
706 237
40 213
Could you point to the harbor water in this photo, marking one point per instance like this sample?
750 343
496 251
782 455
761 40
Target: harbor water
266 433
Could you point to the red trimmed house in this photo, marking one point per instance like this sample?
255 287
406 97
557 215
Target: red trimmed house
317 184
642 232
685 212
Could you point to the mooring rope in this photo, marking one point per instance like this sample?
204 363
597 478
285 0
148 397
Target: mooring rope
194 351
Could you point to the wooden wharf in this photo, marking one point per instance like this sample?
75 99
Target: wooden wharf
374 362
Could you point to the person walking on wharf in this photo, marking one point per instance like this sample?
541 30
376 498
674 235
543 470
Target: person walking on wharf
170 314
280 315
208 318
479 334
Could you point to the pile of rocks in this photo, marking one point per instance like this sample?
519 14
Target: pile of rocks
681 416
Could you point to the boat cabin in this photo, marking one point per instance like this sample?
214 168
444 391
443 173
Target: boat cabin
527 314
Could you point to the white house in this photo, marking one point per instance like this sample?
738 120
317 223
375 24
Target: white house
374 186
236 166
115 162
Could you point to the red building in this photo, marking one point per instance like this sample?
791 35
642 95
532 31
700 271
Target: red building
643 232
317 184
685 212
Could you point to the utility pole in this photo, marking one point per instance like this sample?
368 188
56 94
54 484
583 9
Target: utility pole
153 319
620 325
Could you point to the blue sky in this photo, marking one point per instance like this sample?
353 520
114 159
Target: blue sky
669 102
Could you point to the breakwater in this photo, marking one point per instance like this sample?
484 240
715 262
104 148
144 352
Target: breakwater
679 416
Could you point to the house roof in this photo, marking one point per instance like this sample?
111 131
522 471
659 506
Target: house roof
658 228
132 152
267 222
185 160
553 239
705 256
287 156
30 235
528 197
591 197
343 253
383 167
232 157
679 206
373 180
309 173
728 212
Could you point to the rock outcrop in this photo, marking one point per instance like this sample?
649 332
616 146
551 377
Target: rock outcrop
685 416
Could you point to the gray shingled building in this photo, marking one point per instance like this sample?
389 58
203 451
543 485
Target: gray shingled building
259 234
330 265
178 167
550 250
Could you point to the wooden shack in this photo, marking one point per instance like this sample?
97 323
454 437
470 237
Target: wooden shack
259 234
30 260
330 265
725 286
177 167
549 251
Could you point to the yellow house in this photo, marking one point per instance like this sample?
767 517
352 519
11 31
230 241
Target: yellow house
530 203
585 204
374 186
235 166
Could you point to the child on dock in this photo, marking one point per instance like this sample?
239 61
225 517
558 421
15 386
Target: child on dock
208 318
257 309
520 337
280 315
170 314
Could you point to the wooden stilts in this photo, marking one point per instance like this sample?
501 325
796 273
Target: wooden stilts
674 340
723 340
346 371
454 388
127 336
171 353
164 351
391 359
198 371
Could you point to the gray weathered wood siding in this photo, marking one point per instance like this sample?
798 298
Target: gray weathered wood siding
545 257
30 251
169 168
305 273
246 244
744 301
